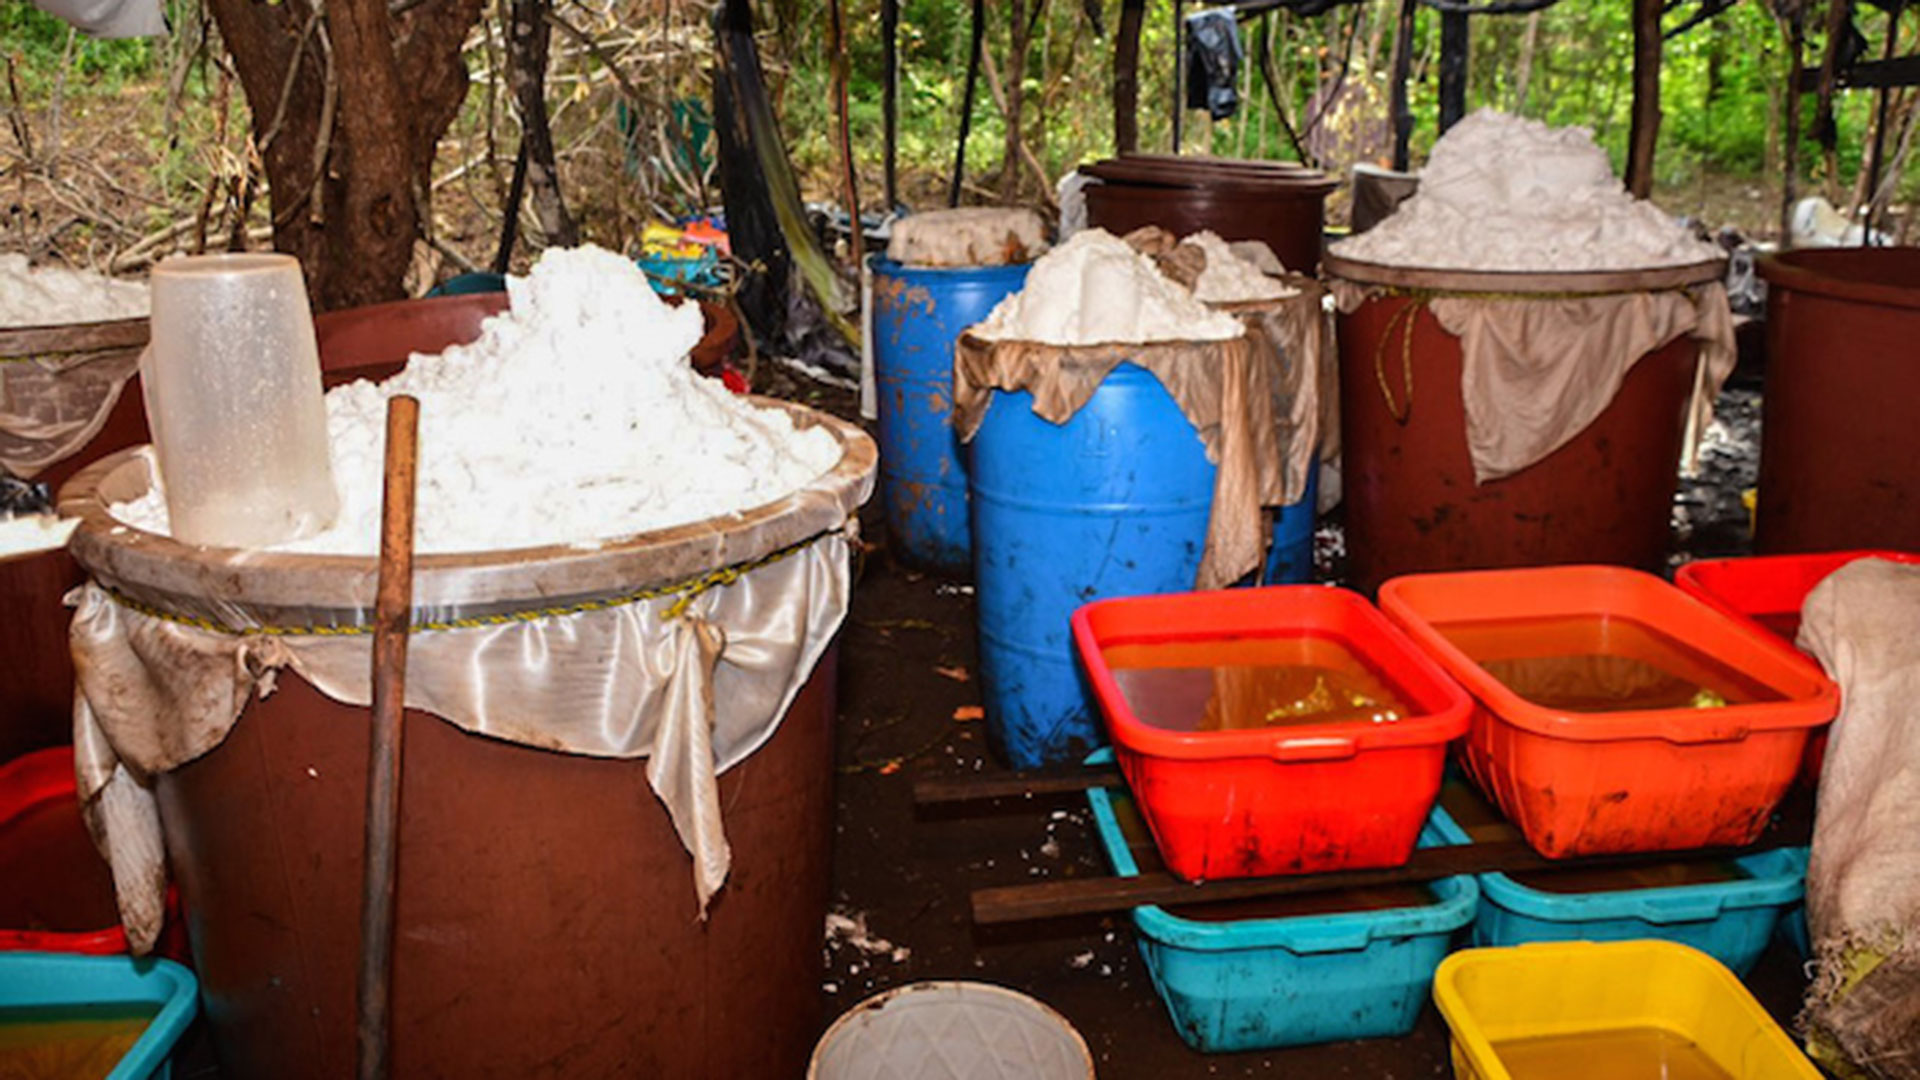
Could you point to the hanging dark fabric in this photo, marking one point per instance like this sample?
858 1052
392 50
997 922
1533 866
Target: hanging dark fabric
1213 63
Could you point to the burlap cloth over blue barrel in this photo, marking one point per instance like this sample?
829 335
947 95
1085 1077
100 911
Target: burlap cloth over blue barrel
682 645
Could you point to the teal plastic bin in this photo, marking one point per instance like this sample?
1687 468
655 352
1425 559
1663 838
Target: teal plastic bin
60 985
1730 921
1266 983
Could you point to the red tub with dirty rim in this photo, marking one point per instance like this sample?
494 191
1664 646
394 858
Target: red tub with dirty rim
1302 798
56 893
1769 590
1586 781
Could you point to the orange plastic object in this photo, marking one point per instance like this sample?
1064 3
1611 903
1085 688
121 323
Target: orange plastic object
1298 799
1644 780
1769 590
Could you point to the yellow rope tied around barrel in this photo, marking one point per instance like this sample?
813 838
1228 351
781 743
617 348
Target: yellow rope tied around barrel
685 592
1407 316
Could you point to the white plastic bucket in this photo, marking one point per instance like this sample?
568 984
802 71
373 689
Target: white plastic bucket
951 1031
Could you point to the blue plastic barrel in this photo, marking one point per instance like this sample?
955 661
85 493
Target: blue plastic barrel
1290 559
1112 503
917 315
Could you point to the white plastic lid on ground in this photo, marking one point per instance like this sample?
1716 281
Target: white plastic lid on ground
951 1031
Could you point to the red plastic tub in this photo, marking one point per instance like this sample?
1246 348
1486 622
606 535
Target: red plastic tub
1587 779
1302 798
1769 590
56 894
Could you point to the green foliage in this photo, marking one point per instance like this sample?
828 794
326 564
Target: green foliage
38 40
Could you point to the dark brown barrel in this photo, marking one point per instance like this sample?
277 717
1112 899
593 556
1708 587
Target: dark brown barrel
1279 203
1411 501
371 342
546 917
1838 436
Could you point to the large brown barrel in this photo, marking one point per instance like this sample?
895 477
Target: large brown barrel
1279 203
546 919
1838 437
371 342
1411 501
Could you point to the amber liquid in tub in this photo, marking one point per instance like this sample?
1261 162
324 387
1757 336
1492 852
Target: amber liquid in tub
69 1042
1601 664
1240 683
1620 1054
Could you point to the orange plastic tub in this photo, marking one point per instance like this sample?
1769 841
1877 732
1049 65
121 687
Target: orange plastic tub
1606 752
1769 590
1338 790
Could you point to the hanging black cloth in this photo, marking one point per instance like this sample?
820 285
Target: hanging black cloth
1213 63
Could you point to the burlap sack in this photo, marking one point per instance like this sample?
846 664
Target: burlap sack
684 646
1225 389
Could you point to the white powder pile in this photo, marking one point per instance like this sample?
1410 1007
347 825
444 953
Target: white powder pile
30 533
1230 279
53 296
575 417
1506 193
967 236
1095 289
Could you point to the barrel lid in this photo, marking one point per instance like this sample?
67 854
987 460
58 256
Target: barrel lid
1168 171
1525 282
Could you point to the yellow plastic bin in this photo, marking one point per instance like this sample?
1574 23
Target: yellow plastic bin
1579 1009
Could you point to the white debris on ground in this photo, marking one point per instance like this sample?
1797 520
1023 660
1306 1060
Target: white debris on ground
54 296
849 928
1502 192
1096 289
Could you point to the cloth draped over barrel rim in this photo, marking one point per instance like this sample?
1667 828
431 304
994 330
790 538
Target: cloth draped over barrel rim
1224 388
1304 403
1535 371
1863 881
57 385
684 646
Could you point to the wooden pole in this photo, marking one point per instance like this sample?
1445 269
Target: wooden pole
849 175
1880 127
392 623
1645 131
1179 70
1403 70
1790 140
1126 77
890 95
1454 44
966 101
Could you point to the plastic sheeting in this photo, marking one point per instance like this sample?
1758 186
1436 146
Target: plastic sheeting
1863 883
109 18
1224 388
1536 371
683 646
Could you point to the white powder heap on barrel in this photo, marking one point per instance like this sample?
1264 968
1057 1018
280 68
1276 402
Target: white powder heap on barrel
1230 279
968 236
1505 193
54 296
1094 290
575 417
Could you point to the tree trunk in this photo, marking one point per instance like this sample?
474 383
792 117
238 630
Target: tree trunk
1399 108
1126 77
528 35
348 149
1455 41
1014 87
1645 131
